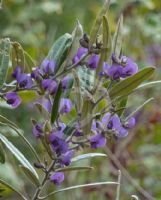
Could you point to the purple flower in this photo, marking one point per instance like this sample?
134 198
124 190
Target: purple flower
58 144
17 72
38 130
25 81
49 85
97 141
93 61
130 123
13 99
122 132
65 105
57 178
130 67
65 82
105 69
66 158
115 71
114 123
81 52
48 67
36 72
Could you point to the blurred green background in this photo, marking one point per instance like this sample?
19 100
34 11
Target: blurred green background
35 24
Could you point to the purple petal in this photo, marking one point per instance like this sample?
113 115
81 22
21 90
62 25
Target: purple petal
130 123
93 61
48 66
13 99
115 71
57 178
65 105
97 141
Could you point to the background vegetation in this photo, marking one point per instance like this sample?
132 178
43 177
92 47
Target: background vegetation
35 24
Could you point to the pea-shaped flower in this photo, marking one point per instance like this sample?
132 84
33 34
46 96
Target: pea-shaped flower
57 178
65 105
13 99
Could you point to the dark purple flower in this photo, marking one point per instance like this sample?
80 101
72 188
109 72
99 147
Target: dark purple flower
13 99
65 105
105 69
36 73
97 141
65 82
115 71
48 66
49 85
130 123
17 72
114 123
66 158
58 144
130 67
122 132
25 81
93 61
38 130
57 178
81 52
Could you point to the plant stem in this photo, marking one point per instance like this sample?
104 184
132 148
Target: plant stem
39 189
71 67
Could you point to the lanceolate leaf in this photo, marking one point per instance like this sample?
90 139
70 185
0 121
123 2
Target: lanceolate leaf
12 188
55 108
80 186
29 62
87 156
5 47
30 175
59 50
76 35
105 46
117 40
97 23
18 58
122 104
18 155
74 168
2 155
5 120
126 86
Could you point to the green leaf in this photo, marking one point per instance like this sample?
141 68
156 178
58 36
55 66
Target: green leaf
55 108
59 50
29 62
12 188
106 45
5 120
69 128
28 95
117 40
149 84
97 23
87 156
5 47
80 186
122 104
30 175
86 116
42 110
76 35
2 155
77 92
127 85
74 168
18 155
18 58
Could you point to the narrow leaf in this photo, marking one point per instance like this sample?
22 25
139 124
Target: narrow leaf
79 186
12 188
30 175
29 62
18 155
5 47
55 108
59 50
5 120
117 40
2 155
18 58
97 23
127 85
74 168
149 84
87 156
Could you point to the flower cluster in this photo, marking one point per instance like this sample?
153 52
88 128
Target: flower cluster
61 146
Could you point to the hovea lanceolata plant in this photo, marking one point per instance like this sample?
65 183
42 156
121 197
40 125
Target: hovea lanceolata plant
80 90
